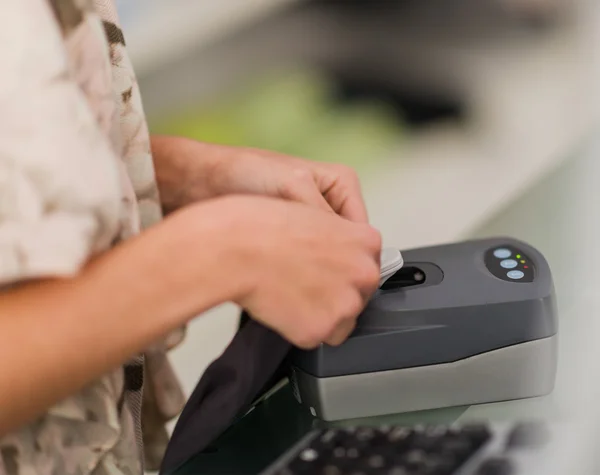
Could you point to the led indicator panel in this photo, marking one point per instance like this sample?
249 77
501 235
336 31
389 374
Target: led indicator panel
522 272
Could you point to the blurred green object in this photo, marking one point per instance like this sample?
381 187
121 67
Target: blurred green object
357 135
266 113
293 113
276 113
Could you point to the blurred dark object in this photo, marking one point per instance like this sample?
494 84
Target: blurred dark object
527 12
413 108
226 391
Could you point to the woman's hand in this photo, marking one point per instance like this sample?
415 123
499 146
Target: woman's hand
303 272
189 171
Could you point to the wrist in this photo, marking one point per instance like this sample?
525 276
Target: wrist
231 242
166 276
204 257
184 170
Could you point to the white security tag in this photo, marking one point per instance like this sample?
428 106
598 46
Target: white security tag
391 262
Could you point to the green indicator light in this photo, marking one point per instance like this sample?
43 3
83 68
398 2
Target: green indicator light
518 256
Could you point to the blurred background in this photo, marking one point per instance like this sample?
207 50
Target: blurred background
448 109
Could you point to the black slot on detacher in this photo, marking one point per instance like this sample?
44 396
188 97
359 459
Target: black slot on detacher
459 324
414 274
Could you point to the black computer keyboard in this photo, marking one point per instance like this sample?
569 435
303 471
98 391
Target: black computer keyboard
473 449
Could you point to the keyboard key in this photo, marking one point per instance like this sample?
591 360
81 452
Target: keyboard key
529 435
436 431
380 438
496 466
426 441
459 447
399 434
365 434
309 455
367 438
332 470
477 433
398 471
376 461
352 453
339 452
439 465
328 438
414 459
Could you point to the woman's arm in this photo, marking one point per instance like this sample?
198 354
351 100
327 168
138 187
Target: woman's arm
188 171
306 273
58 335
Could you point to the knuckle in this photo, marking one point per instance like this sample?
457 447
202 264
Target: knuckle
314 335
355 306
346 172
373 239
305 343
367 270
351 306
342 332
288 186
302 175
336 340
297 180
307 340
372 275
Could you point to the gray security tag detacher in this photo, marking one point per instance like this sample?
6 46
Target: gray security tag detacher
459 324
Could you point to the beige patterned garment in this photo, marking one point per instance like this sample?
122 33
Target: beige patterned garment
76 177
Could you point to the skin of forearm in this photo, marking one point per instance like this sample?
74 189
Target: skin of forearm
58 335
180 183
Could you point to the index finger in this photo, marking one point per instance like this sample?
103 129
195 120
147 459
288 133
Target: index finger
354 208
341 188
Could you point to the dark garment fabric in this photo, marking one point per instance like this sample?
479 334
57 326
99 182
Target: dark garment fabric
253 361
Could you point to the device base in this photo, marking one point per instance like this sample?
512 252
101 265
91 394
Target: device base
516 372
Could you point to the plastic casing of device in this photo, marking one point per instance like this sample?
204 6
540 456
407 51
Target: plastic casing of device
463 337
